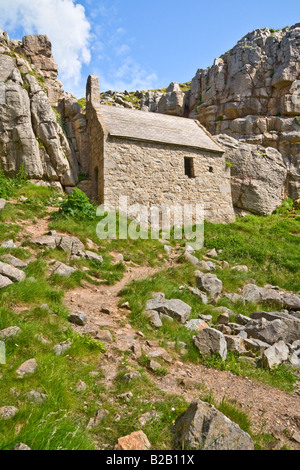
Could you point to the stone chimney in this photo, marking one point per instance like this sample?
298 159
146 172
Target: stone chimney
93 91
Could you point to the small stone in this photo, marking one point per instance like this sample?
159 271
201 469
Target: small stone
81 386
212 253
196 325
106 310
134 441
223 319
154 366
105 336
131 376
154 318
97 419
8 412
61 348
149 416
28 367
9 244
244 269
78 318
36 397
125 396
21 446
2 204
206 318
10 333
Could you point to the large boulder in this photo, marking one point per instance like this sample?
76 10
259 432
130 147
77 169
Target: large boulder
203 427
258 175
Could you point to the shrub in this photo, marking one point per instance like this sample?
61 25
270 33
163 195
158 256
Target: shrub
77 205
8 186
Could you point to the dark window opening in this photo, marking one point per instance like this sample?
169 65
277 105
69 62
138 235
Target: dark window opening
189 167
211 170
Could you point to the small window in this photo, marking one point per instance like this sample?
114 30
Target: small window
189 167
211 170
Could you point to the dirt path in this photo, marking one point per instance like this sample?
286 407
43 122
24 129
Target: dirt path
270 409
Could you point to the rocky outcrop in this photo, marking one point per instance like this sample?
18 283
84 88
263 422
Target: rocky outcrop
31 130
250 93
258 175
173 101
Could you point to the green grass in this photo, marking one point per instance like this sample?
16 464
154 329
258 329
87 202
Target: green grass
269 246
60 422
138 292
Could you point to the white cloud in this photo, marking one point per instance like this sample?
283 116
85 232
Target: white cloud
128 76
64 22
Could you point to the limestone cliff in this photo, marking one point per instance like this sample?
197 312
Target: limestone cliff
32 133
250 93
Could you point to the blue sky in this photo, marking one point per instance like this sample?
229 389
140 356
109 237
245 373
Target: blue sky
134 44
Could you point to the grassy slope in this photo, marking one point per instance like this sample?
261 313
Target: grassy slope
269 246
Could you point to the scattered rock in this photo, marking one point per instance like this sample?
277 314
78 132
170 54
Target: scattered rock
134 441
10 332
2 204
154 318
15 262
275 355
209 283
36 397
149 416
27 368
174 308
269 332
97 419
8 412
62 269
125 396
78 318
244 269
210 341
14 274
81 386
105 336
212 253
21 446
235 344
93 256
154 366
4 282
61 348
196 325
223 319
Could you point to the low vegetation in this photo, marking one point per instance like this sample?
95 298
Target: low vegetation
269 246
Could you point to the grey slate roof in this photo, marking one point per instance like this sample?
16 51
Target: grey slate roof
155 127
